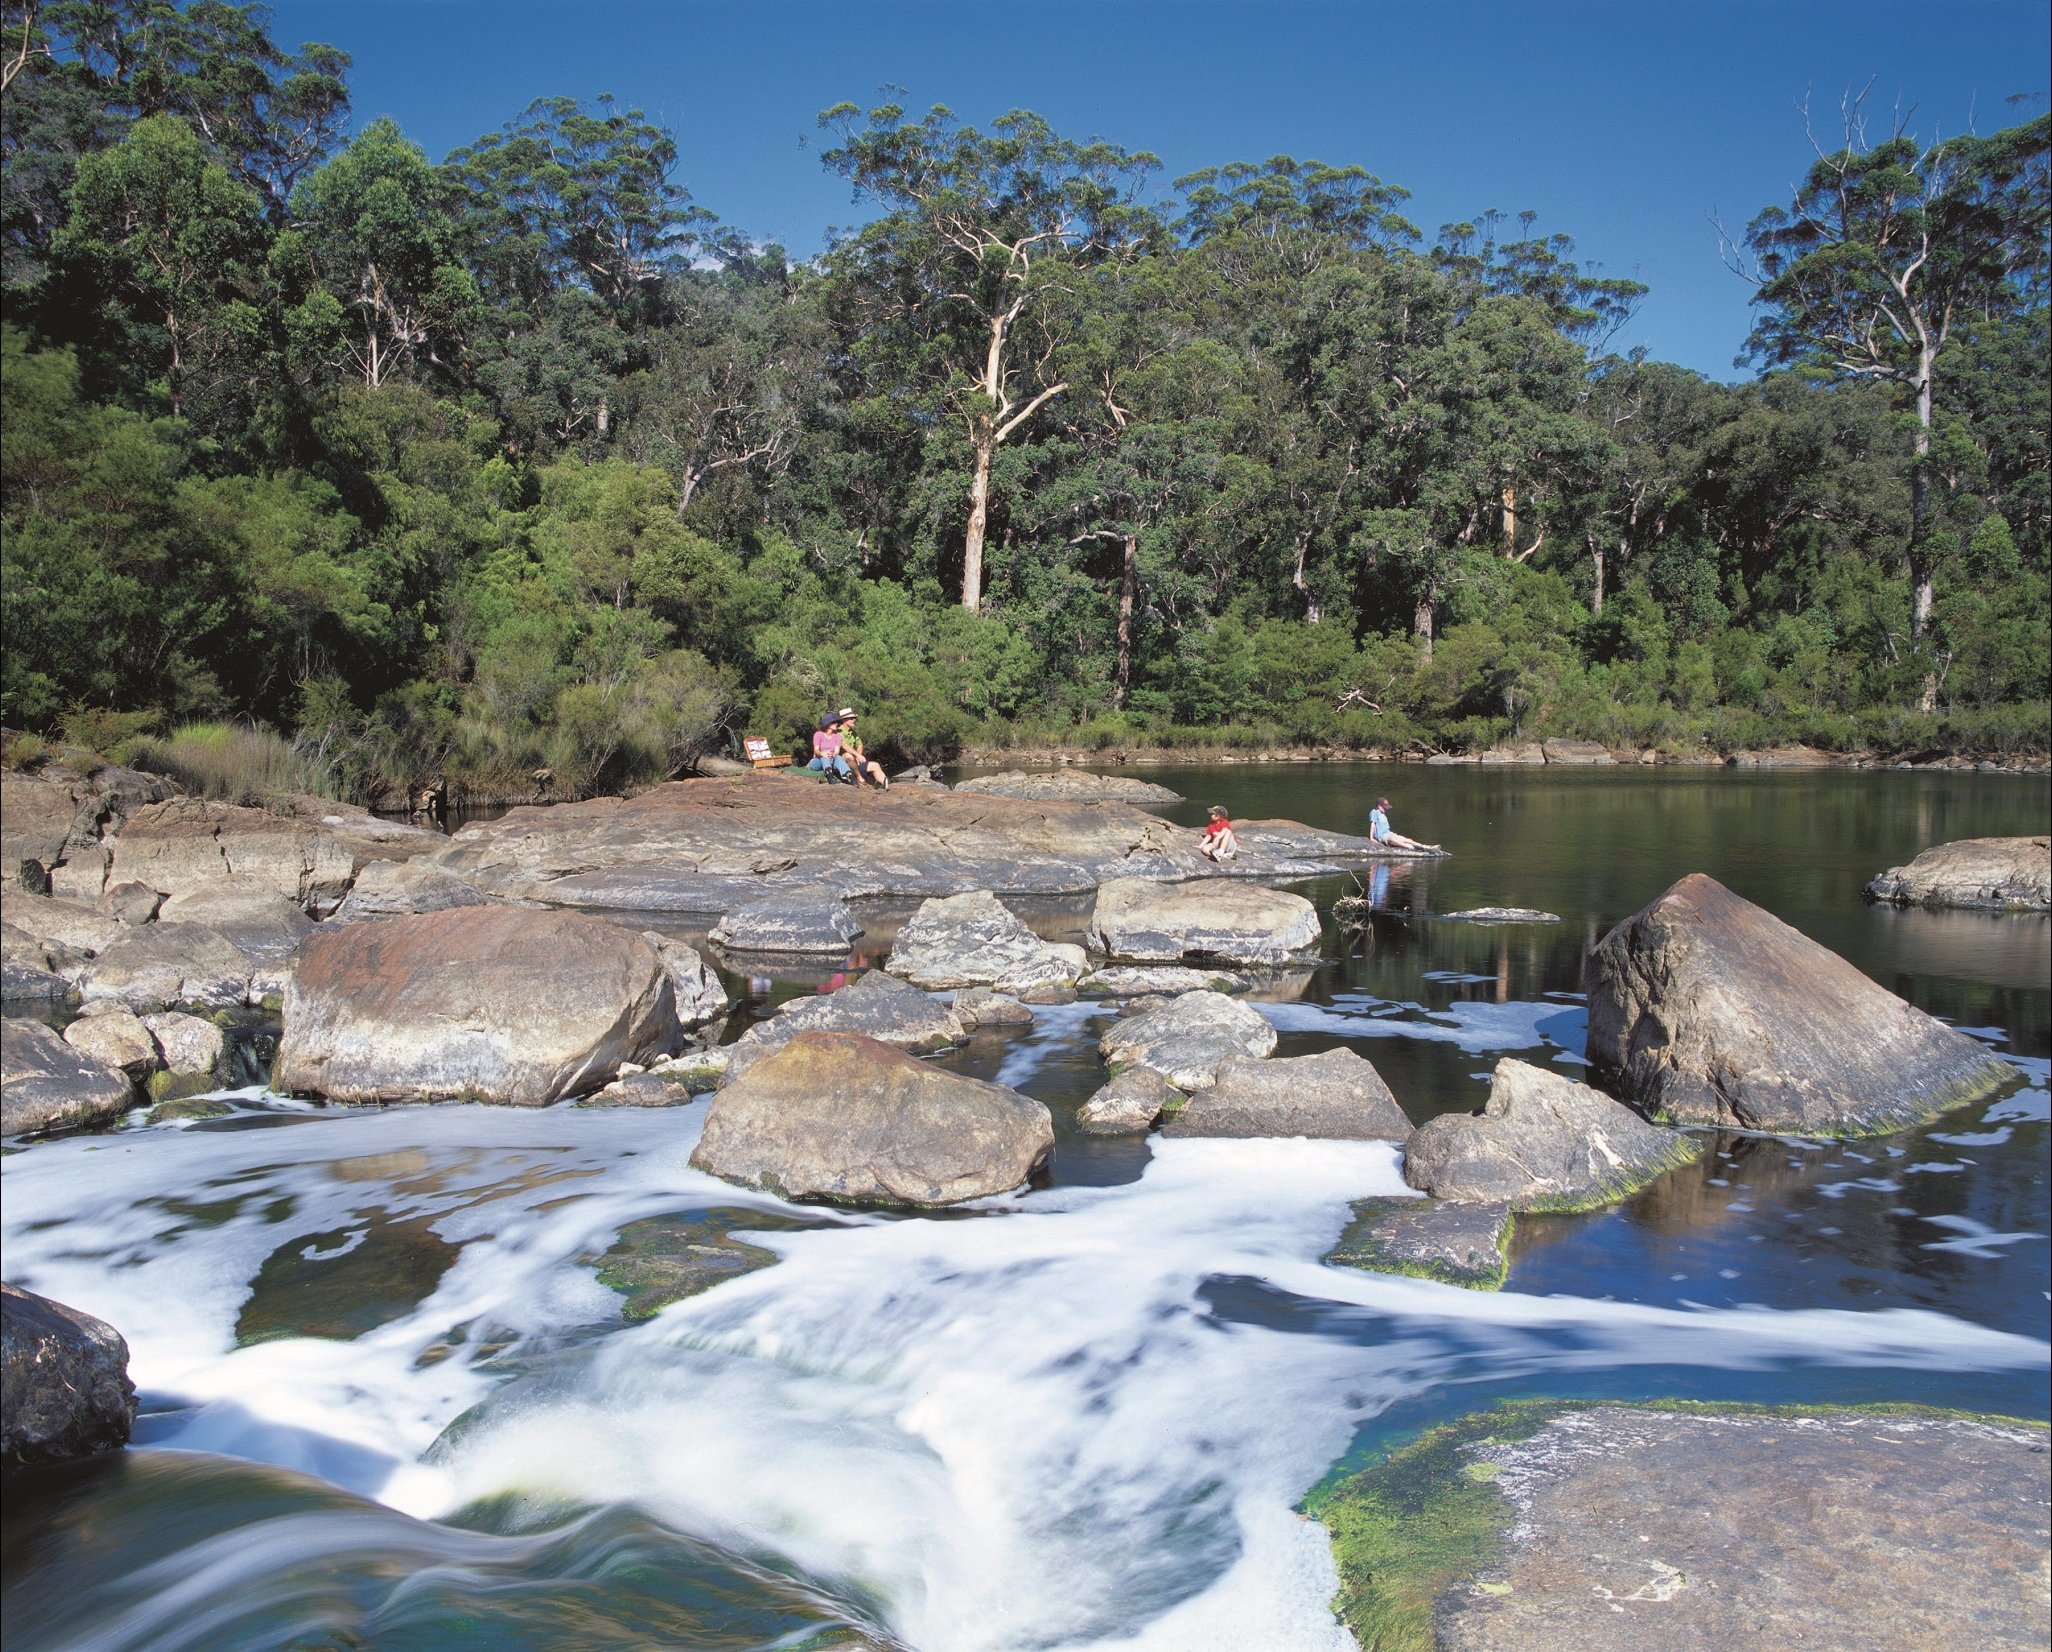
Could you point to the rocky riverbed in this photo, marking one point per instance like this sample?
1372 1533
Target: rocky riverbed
1143 1109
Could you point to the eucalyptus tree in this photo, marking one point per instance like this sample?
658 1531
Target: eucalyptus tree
86 70
569 196
374 245
733 378
159 226
952 292
1651 420
1885 250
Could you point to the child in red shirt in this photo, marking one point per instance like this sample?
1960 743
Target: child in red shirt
1219 843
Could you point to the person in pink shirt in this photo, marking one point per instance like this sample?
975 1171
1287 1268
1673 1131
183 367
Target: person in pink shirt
826 749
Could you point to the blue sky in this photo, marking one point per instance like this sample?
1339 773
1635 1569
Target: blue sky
1624 124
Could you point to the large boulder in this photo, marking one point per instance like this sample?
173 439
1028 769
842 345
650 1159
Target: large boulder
877 1005
308 850
1335 1095
1710 1011
975 940
387 888
63 1380
246 912
1987 874
839 1116
1069 783
1542 1142
810 919
163 965
1187 1038
485 1003
45 1084
1236 923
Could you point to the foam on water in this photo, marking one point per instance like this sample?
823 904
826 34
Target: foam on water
1075 1418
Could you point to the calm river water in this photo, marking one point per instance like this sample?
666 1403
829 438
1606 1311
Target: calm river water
386 1401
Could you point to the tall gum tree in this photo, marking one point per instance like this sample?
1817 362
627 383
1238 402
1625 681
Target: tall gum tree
953 285
1883 252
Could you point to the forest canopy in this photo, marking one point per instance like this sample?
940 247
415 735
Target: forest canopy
521 460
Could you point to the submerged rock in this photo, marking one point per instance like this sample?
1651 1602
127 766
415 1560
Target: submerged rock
811 919
1542 1142
975 940
1188 1037
1984 874
1457 1244
487 1003
1129 1104
1238 923
1069 783
839 1116
65 1380
664 1259
1145 980
1712 1011
876 1005
1501 915
1334 1096
46 1084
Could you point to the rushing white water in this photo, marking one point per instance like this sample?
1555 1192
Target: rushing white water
1080 1417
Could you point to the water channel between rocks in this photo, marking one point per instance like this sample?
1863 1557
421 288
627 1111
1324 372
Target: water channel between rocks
387 1401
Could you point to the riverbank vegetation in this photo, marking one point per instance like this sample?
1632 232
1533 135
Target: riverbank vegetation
519 464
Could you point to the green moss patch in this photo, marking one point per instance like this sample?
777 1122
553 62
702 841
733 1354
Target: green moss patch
1405 1528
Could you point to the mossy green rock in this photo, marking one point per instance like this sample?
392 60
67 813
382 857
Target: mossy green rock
664 1259
188 1107
1457 1244
1552 1525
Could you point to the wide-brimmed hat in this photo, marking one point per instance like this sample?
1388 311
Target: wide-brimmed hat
827 719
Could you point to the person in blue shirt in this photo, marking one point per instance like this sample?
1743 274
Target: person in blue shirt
1380 834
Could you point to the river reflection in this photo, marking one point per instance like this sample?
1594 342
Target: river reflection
389 1402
